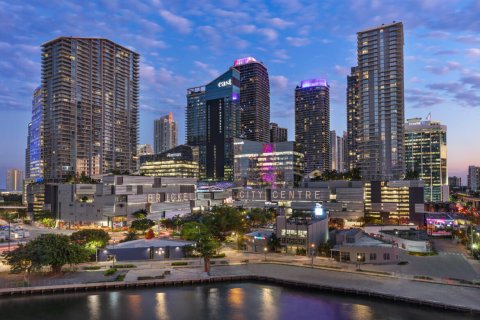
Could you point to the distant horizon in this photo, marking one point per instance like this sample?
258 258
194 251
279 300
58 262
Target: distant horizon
184 45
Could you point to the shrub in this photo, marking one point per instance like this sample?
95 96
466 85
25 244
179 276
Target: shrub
180 263
120 277
216 256
125 266
91 268
110 272
422 278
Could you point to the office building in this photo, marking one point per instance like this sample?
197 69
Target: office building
353 119
455 182
35 137
337 152
333 150
473 178
301 233
142 150
276 165
381 77
181 161
254 99
165 133
278 134
91 107
196 125
27 153
312 123
426 154
394 202
213 121
14 180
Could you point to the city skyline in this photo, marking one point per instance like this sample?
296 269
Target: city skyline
440 47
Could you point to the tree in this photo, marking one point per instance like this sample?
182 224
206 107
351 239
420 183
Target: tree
142 225
140 214
130 236
91 239
206 243
52 250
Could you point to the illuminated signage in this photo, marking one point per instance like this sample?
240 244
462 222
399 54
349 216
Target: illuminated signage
225 83
314 83
318 210
241 61
174 155
275 195
238 142
169 197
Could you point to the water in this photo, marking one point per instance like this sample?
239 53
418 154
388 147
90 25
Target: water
220 301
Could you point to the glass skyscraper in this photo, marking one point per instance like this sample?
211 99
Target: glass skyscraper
213 121
381 109
35 139
254 99
426 153
165 133
91 105
312 123
353 119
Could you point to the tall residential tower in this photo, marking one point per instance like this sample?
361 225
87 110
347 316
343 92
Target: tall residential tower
353 119
254 99
91 92
165 133
312 123
381 98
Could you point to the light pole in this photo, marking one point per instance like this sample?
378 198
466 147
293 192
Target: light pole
265 250
312 252
358 261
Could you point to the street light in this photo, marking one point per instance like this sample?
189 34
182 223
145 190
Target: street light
265 250
312 252
358 261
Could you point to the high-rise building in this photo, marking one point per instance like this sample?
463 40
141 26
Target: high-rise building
455 182
381 74
14 180
333 151
196 125
213 121
353 119
426 154
181 161
341 155
473 178
35 138
91 107
142 150
312 123
165 133
278 134
27 153
254 99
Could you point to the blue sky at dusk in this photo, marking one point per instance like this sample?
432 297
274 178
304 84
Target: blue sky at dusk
187 43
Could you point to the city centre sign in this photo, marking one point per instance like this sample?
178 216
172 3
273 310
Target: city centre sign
225 83
275 195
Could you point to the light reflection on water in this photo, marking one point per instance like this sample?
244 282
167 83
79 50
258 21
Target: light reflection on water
247 301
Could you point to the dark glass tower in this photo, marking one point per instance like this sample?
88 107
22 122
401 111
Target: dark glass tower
35 139
254 99
91 92
312 123
353 118
213 121
381 74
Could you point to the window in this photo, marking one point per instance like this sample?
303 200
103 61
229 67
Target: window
373 256
344 256
386 256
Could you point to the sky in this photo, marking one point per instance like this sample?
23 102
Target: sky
188 43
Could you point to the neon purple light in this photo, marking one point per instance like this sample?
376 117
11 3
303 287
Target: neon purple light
234 96
241 61
268 172
313 83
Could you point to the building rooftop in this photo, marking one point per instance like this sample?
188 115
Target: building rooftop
418 235
144 243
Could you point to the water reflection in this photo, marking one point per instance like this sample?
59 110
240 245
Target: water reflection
93 306
362 312
162 312
269 306
134 305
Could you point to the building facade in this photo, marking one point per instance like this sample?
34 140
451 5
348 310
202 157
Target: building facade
14 180
196 125
393 201
455 182
426 154
337 152
254 99
91 107
165 133
473 178
381 98
181 161
312 123
222 124
276 165
278 134
35 137
353 119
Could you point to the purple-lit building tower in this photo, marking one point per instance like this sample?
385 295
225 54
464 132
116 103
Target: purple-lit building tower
254 99
312 123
